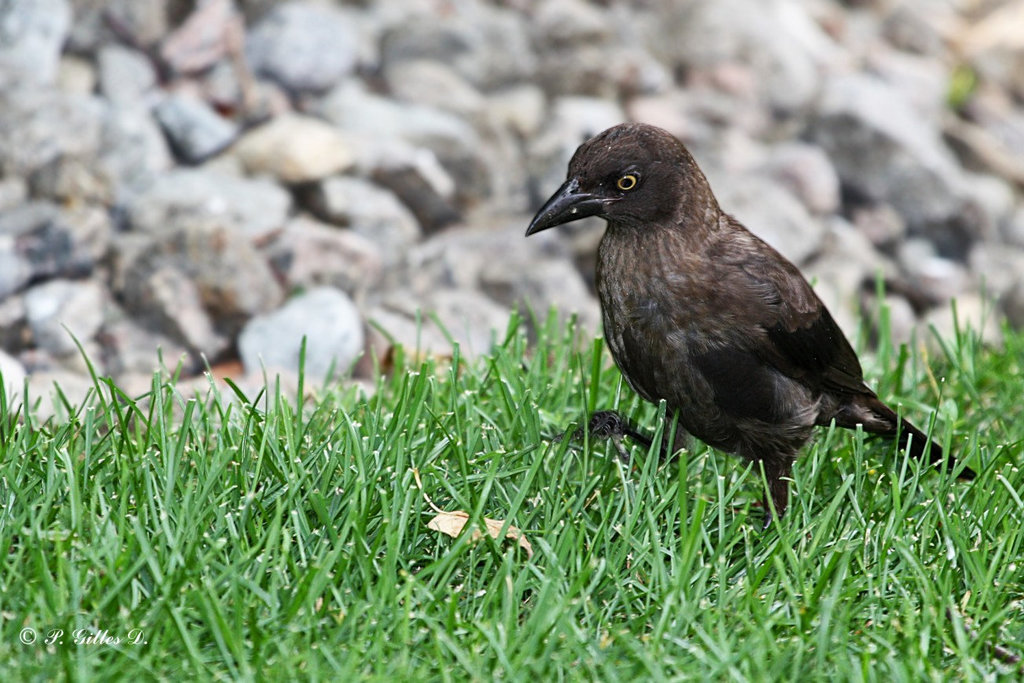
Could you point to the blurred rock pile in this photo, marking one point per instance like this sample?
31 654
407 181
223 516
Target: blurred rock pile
216 179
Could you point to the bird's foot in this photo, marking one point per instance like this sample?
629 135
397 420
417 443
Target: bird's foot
608 424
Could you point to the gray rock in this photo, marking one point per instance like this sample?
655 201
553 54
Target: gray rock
359 112
489 46
807 173
303 46
884 154
233 279
1013 228
564 23
38 241
125 75
434 84
51 391
144 21
195 130
60 311
771 213
474 320
32 33
1012 304
308 254
539 286
295 149
996 268
937 278
324 316
520 109
131 350
971 313
133 151
190 197
845 262
73 180
369 211
12 375
881 224
778 38
38 126
165 299
14 332
13 192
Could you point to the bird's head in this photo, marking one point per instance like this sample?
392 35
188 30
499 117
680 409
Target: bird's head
631 174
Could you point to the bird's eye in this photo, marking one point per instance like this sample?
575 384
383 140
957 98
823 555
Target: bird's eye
626 182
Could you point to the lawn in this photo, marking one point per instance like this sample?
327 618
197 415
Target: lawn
242 537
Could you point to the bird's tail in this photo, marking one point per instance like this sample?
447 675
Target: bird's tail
877 418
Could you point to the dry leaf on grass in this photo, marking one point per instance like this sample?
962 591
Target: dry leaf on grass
452 523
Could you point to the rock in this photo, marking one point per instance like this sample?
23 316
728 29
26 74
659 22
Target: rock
435 85
884 155
50 391
76 76
73 180
488 46
12 375
937 278
971 313
539 286
324 316
1012 304
59 312
303 46
845 261
295 149
520 109
13 193
196 132
308 254
211 31
38 126
474 320
771 213
165 299
130 350
423 186
881 224
368 210
359 112
232 278
195 197
132 152
807 173
125 75
996 268
40 241
567 23
143 22
778 38
1013 228
32 33
14 332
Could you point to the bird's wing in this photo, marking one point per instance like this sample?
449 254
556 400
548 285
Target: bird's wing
803 340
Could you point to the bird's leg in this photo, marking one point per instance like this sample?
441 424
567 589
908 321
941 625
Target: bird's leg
777 472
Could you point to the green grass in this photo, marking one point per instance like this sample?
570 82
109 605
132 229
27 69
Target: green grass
289 542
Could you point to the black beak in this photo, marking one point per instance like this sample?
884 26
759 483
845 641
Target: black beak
566 205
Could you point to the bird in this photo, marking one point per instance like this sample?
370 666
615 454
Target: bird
700 313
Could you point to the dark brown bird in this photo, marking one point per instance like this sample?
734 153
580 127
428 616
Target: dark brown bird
702 314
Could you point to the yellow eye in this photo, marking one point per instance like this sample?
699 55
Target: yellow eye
626 182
